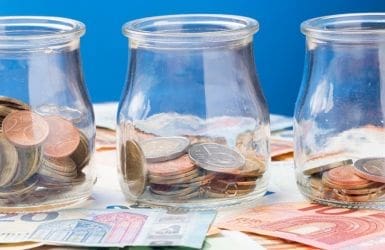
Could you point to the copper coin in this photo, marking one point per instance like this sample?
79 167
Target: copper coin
63 138
180 165
344 177
357 198
25 128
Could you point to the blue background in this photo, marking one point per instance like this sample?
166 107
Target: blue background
279 45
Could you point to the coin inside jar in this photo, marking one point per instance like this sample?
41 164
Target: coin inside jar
215 157
133 167
344 177
371 168
160 149
63 137
318 166
25 128
180 165
8 161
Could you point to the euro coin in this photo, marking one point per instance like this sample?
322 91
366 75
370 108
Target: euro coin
8 162
25 128
63 137
344 177
321 165
371 169
133 167
180 165
161 149
82 155
215 157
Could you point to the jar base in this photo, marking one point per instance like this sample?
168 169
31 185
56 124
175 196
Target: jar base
304 190
49 206
203 204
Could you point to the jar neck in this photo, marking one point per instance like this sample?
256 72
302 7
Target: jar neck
189 45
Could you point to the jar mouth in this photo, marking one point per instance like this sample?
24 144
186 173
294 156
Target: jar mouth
37 31
364 27
190 28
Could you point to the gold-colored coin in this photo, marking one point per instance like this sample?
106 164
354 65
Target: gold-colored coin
133 167
8 162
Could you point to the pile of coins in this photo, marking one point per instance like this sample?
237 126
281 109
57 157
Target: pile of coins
38 152
174 169
345 181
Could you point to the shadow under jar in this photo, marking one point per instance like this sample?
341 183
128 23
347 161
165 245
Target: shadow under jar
339 117
193 125
47 124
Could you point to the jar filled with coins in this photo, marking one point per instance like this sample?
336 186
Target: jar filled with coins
46 120
193 124
339 119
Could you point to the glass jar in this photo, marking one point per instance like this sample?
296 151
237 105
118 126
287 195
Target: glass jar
339 116
193 125
47 124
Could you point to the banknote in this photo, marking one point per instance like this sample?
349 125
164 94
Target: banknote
313 224
108 227
280 147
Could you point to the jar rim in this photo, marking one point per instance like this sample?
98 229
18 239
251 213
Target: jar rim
190 28
346 27
37 31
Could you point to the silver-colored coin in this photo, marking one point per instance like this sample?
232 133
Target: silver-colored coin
372 169
66 165
8 161
133 168
216 157
160 149
28 165
19 189
318 166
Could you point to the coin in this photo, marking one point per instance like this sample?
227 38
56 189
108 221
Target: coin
160 149
215 157
344 177
357 198
14 103
63 137
81 156
19 189
253 168
28 164
8 161
133 167
371 169
62 165
174 178
180 165
325 164
25 128
171 190
374 188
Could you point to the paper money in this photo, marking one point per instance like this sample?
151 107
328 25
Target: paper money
108 227
280 147
313 224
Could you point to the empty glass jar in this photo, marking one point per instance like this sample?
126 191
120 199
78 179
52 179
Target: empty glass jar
47 125
193 125
339 116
